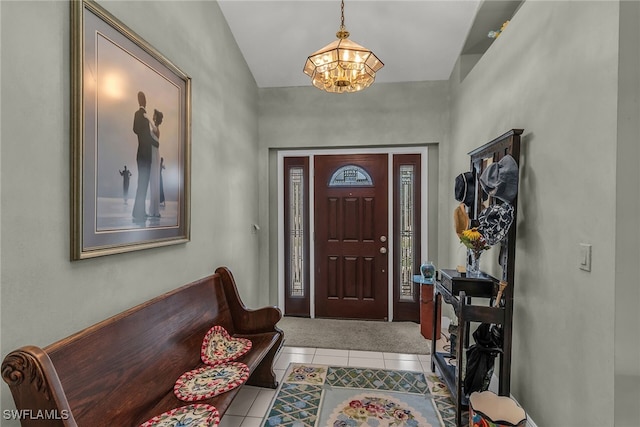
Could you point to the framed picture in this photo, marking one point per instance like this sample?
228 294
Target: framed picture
131 139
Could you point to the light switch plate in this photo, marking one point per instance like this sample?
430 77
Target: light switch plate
584 260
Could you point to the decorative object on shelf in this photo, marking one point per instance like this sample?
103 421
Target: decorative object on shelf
476 244
495 221
342 66
487 409
428 271
493 34
461 219
473 269
500 180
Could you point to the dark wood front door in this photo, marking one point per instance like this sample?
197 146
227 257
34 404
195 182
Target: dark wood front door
351 241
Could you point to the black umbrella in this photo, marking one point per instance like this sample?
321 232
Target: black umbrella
481 355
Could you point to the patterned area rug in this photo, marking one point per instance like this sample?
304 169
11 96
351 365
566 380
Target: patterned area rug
318 395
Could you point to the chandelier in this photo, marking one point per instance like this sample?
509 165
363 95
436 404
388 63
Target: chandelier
342 66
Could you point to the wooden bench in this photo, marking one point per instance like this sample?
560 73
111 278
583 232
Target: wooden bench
121 371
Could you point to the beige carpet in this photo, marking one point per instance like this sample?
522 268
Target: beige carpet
390 337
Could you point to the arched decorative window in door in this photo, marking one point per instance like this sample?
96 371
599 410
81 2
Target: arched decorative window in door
350 176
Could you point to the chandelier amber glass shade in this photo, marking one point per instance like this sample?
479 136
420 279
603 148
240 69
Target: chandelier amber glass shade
342 66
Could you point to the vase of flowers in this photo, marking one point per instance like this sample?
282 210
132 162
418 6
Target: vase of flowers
473 269
476 244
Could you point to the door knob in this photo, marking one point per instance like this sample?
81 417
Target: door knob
383 250
383 239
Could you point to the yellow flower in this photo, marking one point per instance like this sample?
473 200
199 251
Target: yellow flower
472 234
473 240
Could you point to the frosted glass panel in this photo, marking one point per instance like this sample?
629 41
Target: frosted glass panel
296 231
407 234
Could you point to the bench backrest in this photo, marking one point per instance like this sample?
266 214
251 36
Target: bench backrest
127 363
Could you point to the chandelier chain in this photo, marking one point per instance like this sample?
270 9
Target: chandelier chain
342 14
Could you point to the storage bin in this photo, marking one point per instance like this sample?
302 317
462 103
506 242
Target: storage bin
487 409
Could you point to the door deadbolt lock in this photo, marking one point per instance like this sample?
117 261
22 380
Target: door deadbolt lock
383 239
383 250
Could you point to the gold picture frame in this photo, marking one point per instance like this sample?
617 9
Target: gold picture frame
120 143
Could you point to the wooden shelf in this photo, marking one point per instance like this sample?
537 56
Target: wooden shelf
448 373
459 291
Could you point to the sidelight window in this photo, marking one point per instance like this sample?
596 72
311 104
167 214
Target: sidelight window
296 232
407 231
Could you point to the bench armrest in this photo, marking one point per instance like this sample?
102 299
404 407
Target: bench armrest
258 321
247 321
36 389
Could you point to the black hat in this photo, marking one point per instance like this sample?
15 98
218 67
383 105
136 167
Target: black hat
465 188
500 179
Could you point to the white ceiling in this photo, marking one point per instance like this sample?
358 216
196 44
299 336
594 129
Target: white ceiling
417 40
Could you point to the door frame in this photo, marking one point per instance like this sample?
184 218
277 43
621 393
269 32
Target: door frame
422 150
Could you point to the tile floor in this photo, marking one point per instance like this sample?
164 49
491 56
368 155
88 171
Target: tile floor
252 403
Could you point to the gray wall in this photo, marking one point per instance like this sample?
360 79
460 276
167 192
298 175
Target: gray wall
554 73
390 114
46 297
627 263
